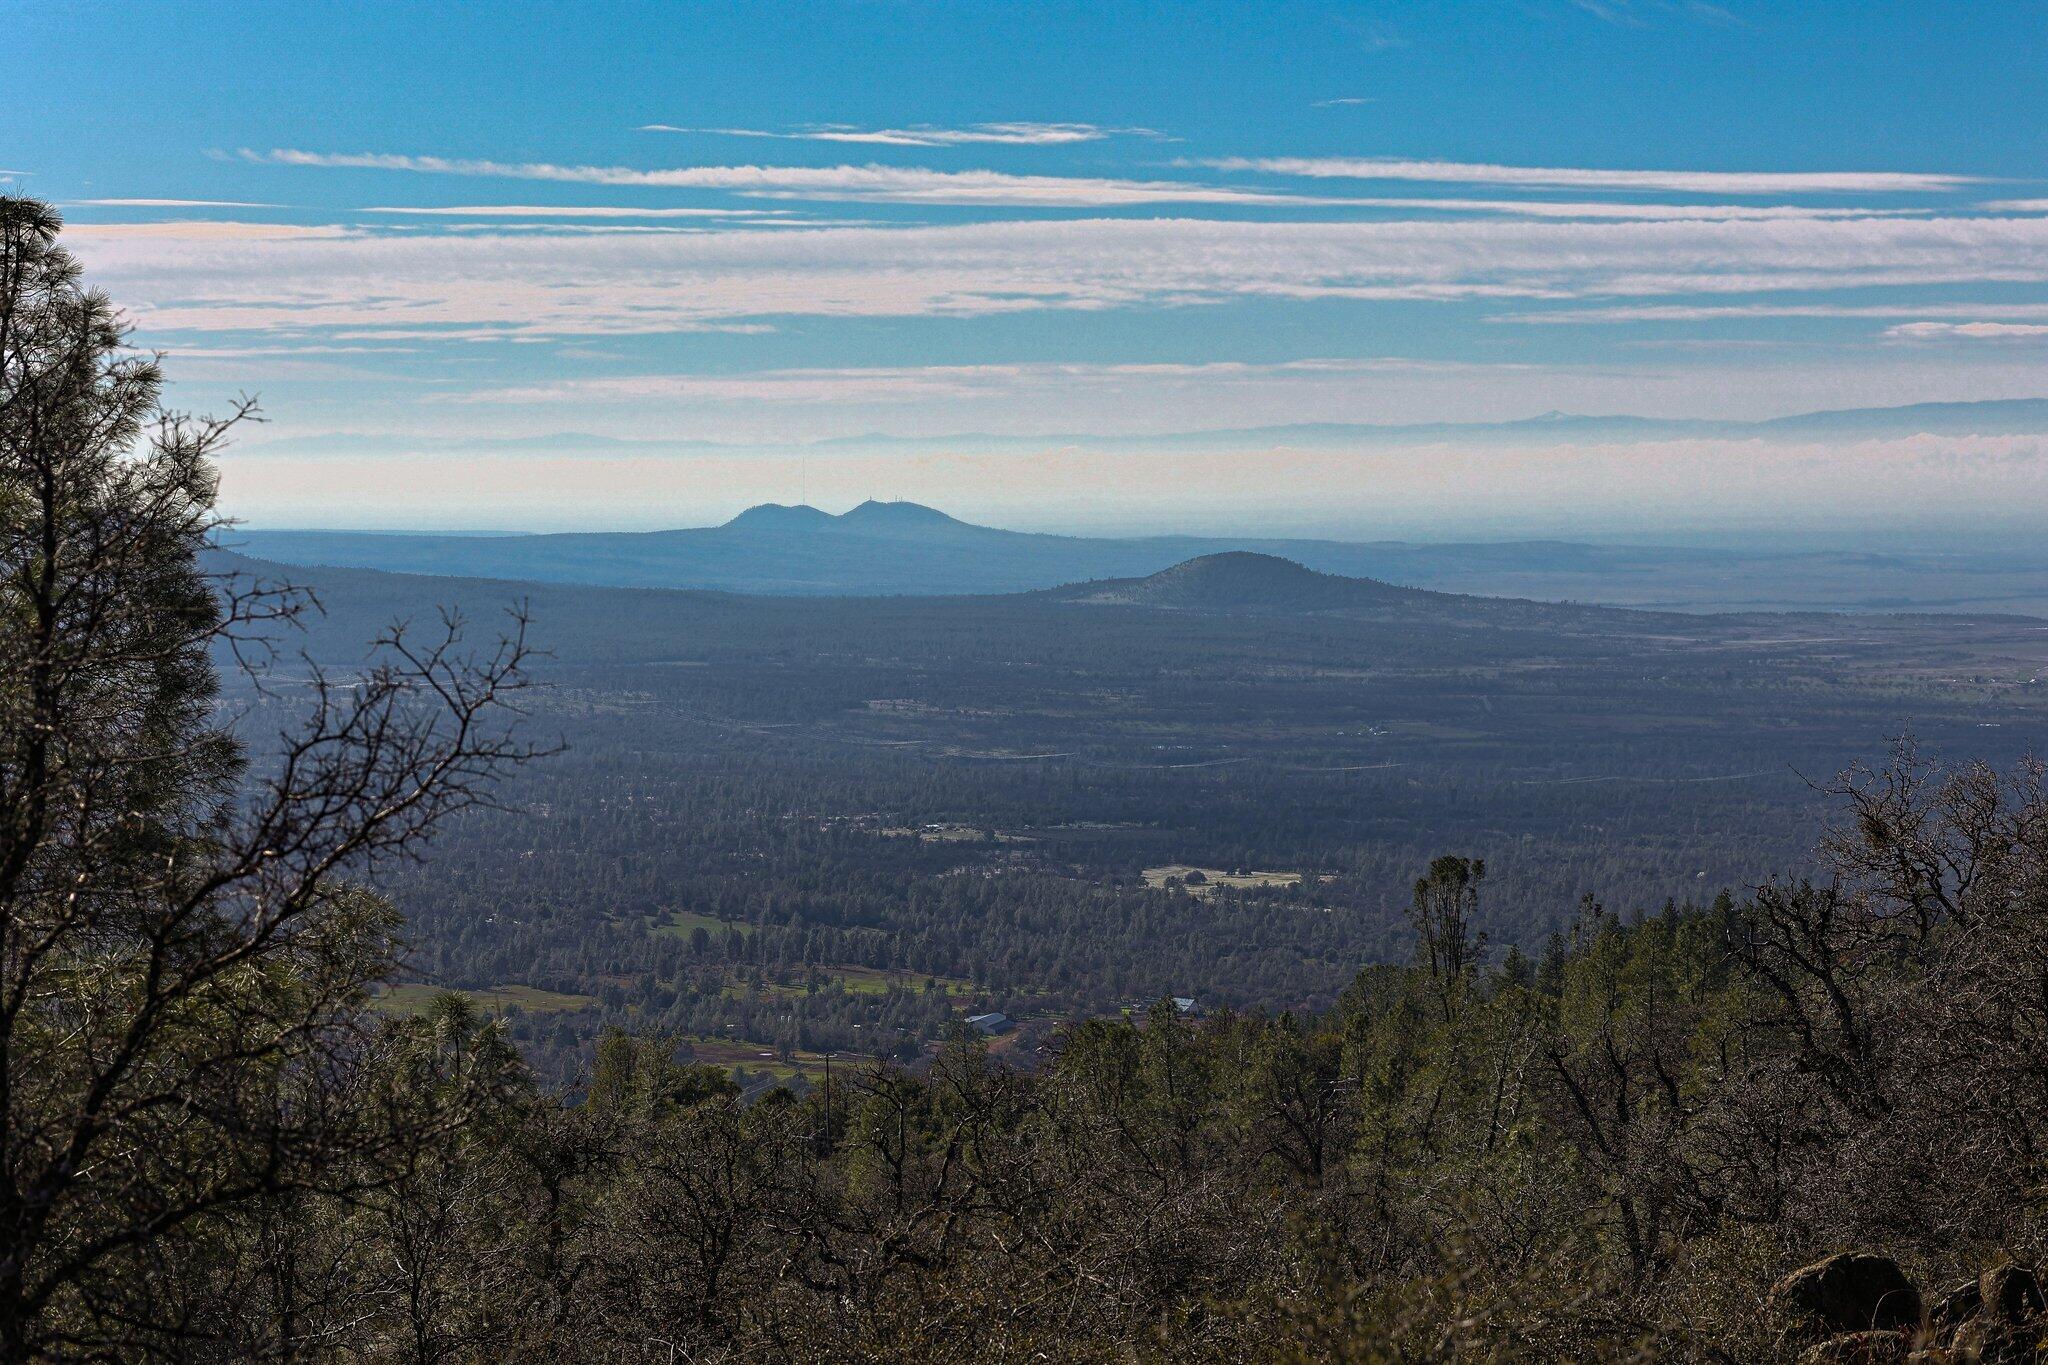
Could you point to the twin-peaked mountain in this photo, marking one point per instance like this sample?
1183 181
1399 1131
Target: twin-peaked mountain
877 548
886 520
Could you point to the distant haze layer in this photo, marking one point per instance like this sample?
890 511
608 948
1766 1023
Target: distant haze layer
1847 472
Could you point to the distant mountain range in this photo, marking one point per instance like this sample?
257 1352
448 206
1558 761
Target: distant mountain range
889 549
905 548
1993 417
908 549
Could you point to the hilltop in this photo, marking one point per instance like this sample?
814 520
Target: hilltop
1243 580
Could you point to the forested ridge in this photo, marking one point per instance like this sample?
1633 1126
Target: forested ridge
1803 1119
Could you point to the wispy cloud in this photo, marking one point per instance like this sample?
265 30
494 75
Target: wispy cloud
1609 11
894 384
918 185
1676 312
2017 206
1340 102
252 276
203 230
1551 177
523 333
1715 14
1635 13
1014 134
859 184
1370 36
1967 331
245 352
567 211
1571 208
174 203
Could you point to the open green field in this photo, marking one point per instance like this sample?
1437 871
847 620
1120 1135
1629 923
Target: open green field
1159 877
413 997
681 923
857 981
759 1058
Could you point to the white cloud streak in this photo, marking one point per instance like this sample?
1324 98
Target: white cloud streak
1672 312
173 204
1012 134
1570 208
861 184
1967 331
242 276
895 384
1681 182
568 211
202 230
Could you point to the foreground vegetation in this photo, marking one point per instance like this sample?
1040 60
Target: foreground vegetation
1609 1151
219 1141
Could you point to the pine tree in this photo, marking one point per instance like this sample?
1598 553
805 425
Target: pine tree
185 943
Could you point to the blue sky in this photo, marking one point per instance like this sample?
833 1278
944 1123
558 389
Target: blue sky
436 239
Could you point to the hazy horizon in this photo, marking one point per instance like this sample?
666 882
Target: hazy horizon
1165 484
2019 533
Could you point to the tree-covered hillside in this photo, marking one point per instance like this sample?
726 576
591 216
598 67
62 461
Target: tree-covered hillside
815 825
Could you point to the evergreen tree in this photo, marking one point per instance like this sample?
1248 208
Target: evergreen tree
185 944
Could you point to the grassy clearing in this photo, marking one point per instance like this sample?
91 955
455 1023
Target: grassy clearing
857 981
1159 877
881 980
758 1058
682 922
413 997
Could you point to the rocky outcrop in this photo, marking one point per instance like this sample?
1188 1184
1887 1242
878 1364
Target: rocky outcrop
1858 1309
1850 1292
2007 1327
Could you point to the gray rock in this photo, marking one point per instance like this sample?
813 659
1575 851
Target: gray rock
1850 1292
